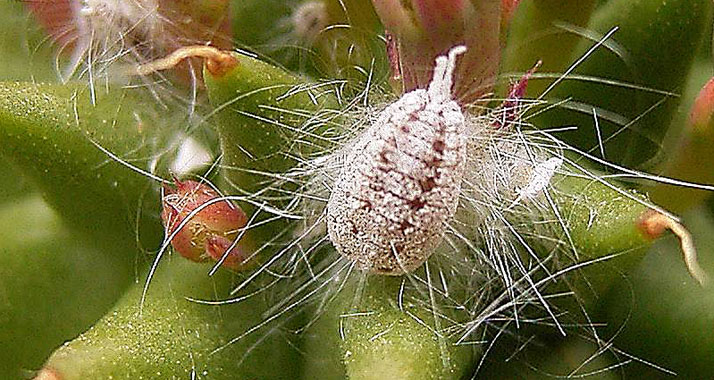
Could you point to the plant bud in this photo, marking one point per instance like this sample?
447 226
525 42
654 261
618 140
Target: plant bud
426 29
98 33
208 234
702 109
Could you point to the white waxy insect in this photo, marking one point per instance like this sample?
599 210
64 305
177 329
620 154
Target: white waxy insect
540 178
119 24
309 19
401 179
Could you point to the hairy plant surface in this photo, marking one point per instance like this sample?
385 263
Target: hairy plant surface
355 189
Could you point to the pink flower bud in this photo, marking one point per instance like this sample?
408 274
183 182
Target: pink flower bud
218 247
132 31
211 231
55 16
426 29
508 8
700 117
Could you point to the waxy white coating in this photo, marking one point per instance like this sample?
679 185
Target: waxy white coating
400 183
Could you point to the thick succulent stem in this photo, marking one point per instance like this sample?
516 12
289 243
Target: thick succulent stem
605 231
624 101
170 336
54 284
98 155
262 112
367 332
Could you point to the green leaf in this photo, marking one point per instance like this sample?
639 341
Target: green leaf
268 120
365 334
690 158
59 140
645 58
260 111
352 46
667 316
604 233
53 284
542 30
173 337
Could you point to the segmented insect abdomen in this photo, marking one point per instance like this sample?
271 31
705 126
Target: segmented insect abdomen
399 185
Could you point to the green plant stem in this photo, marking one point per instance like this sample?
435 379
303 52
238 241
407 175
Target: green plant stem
56 137
602 224
53 284
366 334
650 51
170 336
263 112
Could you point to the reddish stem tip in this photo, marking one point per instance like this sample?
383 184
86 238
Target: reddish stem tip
221 64
47 374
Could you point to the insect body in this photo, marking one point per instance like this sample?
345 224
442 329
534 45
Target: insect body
400 183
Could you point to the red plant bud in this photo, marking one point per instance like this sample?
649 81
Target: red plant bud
703 108
426 29
218 247
133 31
211 231
55 16
508 8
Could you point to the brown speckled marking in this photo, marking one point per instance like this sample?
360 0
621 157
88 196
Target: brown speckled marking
401 181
